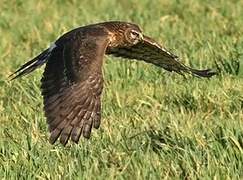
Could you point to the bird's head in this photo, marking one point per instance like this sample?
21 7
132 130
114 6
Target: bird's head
123 33
133 35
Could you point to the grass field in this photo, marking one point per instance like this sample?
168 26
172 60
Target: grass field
156 124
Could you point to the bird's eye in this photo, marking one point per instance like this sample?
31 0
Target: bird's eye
134 34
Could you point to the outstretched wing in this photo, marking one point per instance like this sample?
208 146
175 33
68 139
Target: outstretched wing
151 52
72 85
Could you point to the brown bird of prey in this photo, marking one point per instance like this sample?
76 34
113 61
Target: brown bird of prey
72 82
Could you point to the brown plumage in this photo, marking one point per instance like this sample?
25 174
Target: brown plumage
72 82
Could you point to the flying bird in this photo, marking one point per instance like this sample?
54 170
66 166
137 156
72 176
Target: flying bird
72 81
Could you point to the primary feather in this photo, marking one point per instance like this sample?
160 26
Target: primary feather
72 82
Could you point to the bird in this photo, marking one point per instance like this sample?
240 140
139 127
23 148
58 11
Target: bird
72 80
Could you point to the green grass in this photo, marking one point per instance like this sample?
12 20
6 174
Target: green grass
155 124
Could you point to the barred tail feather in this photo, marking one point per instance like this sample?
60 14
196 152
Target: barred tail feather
32 64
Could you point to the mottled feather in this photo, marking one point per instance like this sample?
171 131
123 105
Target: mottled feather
72 82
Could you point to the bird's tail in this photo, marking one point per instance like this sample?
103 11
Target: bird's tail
32 64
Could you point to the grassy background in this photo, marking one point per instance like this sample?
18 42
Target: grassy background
155 124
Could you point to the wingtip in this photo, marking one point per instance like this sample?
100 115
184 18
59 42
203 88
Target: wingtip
54 136
207 73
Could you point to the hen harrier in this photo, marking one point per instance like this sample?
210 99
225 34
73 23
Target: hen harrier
72 82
